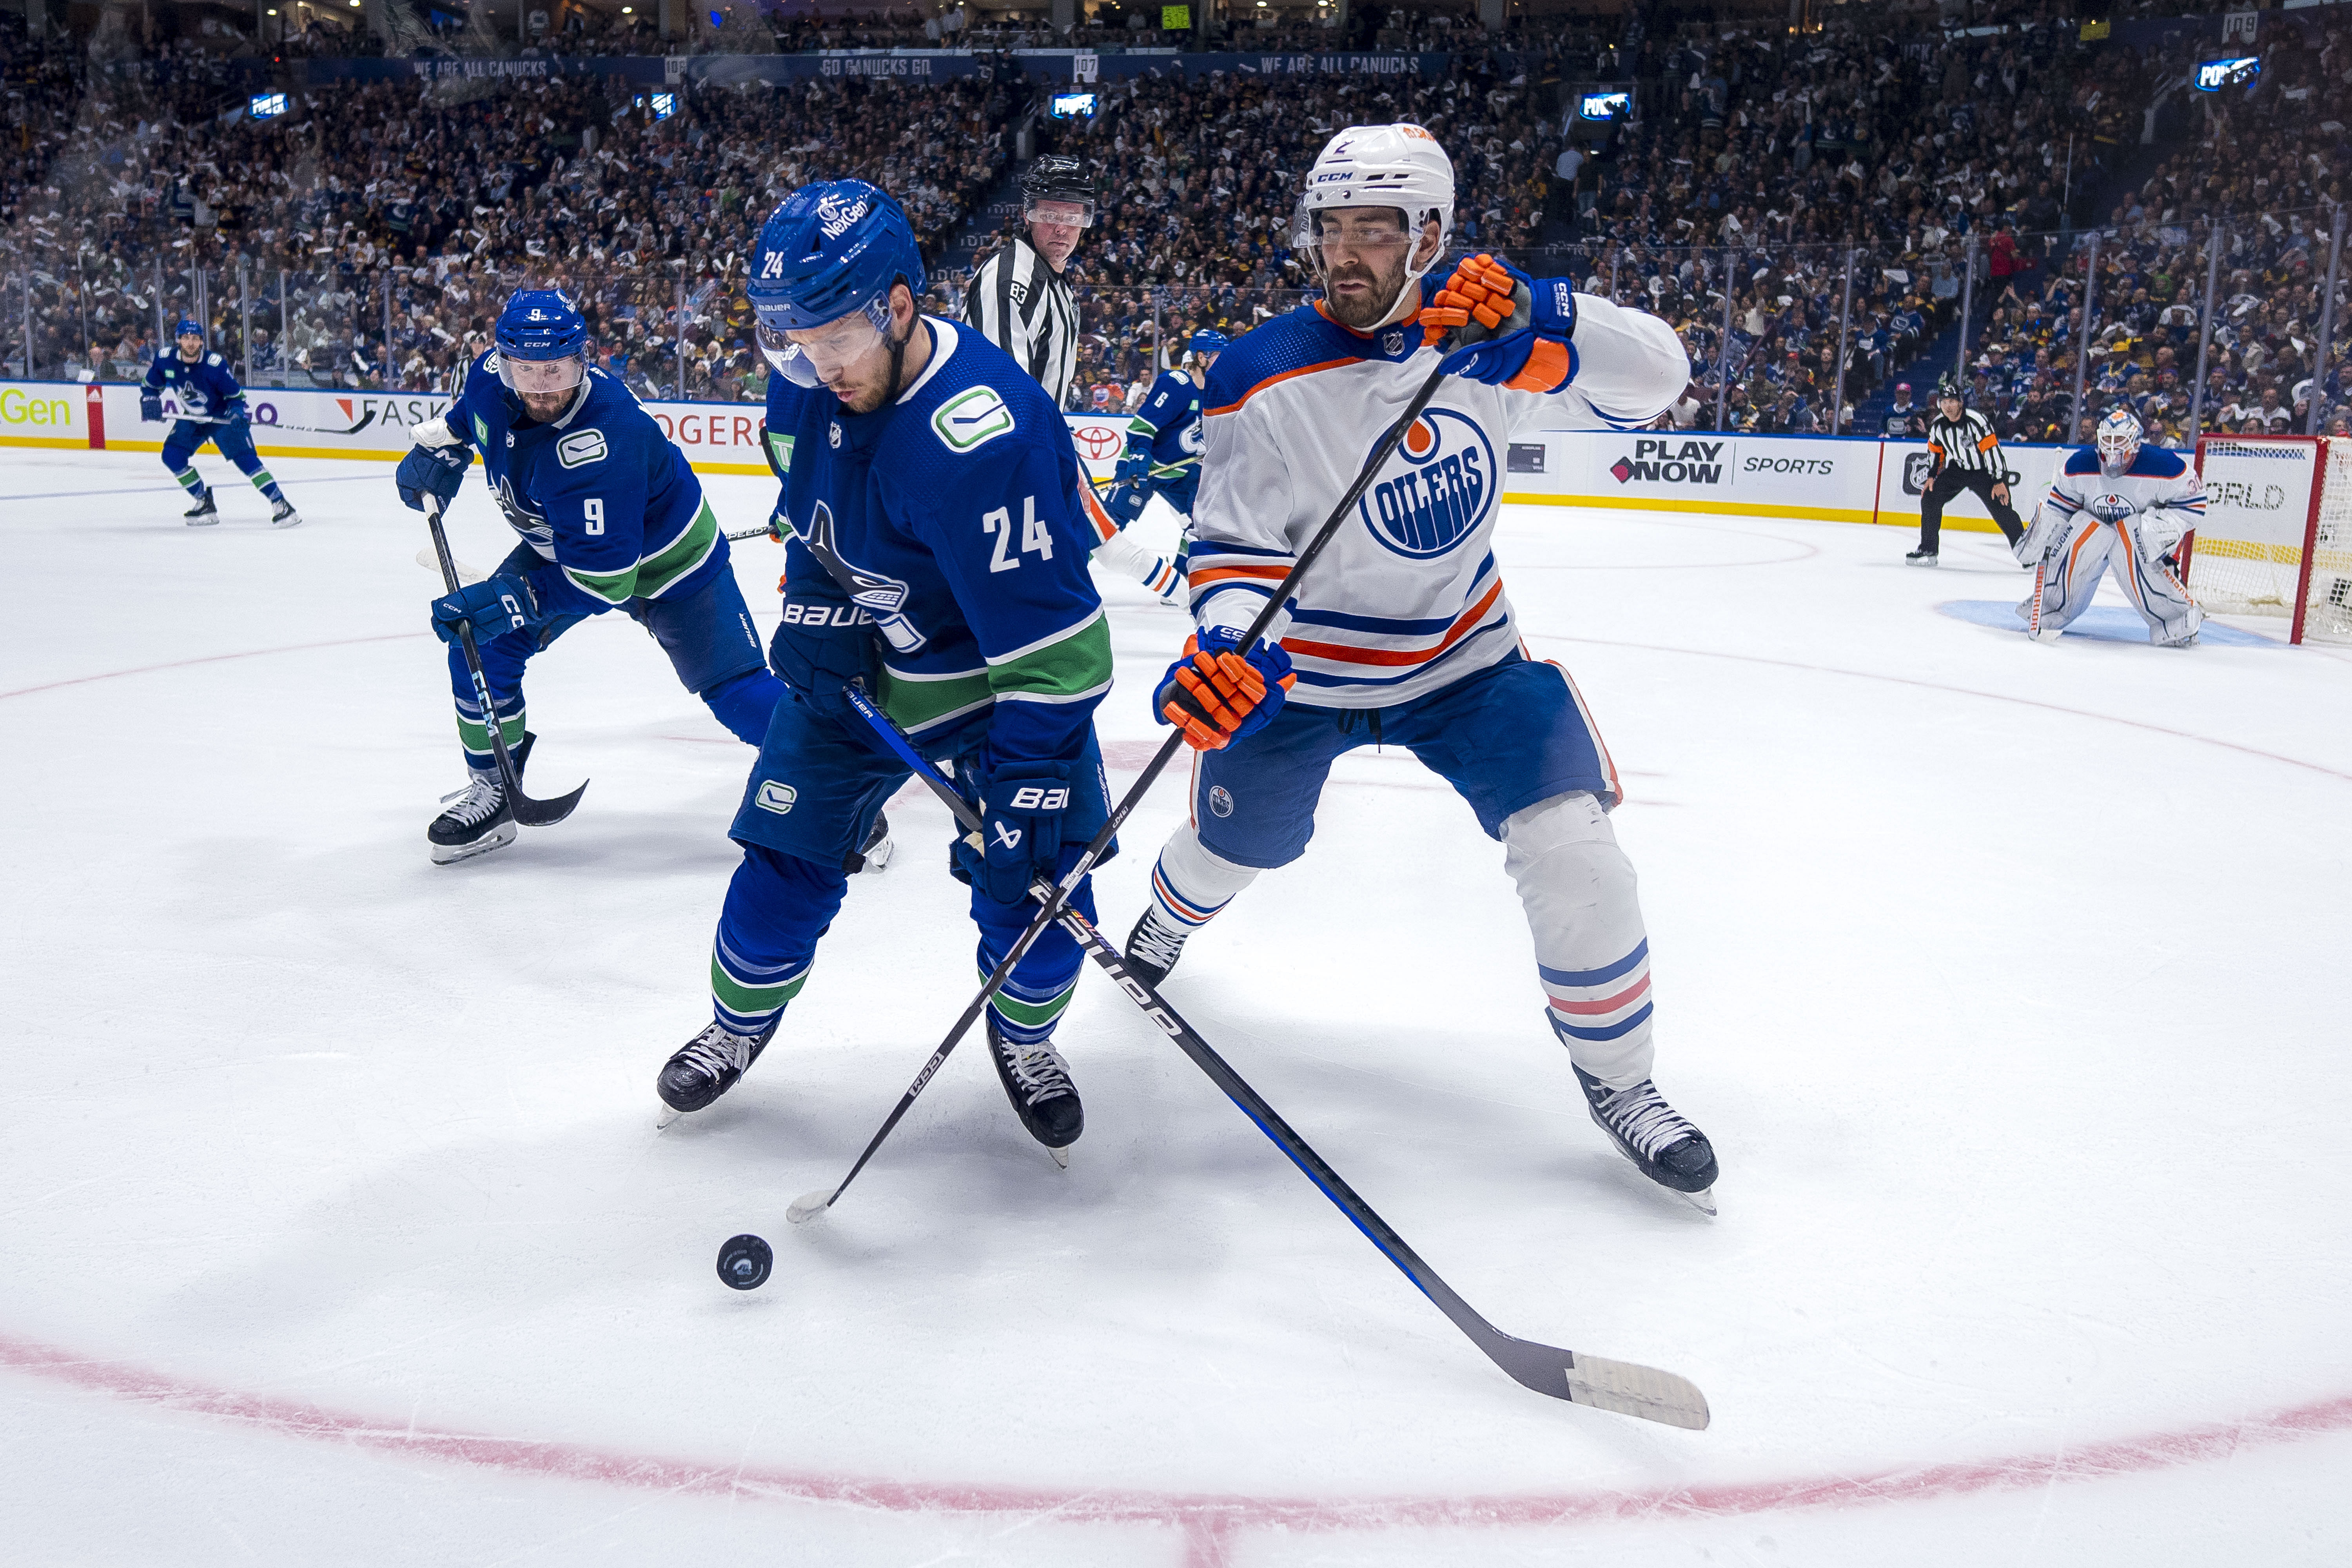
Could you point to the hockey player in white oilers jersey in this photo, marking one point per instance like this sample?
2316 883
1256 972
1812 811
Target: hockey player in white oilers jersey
2119 506
1401 631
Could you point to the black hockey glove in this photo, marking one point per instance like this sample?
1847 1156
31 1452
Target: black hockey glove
823 643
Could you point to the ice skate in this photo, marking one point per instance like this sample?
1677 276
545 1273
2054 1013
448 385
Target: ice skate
707 1066
1922 558
1037 1081
1154 946
1655 1137
478 818
2048 634
874 854
205 513
283 515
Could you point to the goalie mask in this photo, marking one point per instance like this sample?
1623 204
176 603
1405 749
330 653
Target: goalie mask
1401 167
2118 440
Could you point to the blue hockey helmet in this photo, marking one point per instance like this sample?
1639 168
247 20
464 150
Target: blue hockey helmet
541 331
829 251
1207 340
188 327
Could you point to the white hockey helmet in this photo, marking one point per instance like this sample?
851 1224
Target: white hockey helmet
1400 166
2118 439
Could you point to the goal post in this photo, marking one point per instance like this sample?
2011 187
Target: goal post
2276 539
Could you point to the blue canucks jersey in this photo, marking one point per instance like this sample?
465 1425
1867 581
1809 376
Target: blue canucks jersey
953 516
601 492
206 390
1170 420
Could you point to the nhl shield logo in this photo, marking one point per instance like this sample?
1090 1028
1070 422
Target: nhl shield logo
1437 488
1392 343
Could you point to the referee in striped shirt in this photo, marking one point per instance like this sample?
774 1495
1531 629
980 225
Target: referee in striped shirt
1967 457
1019 300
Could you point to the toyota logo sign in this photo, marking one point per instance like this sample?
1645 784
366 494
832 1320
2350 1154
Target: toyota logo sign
1100 442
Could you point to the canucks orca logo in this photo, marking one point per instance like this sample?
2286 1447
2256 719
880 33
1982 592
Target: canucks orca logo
880 597
521 517
1437 488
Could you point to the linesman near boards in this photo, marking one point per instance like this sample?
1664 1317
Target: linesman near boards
1404 634
1022 302
1967 457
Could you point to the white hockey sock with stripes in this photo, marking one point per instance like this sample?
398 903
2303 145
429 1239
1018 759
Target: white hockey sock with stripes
1190 885
1591 953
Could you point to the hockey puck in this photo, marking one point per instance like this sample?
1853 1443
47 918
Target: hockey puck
744 1262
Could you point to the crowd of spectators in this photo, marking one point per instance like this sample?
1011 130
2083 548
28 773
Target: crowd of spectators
1942 165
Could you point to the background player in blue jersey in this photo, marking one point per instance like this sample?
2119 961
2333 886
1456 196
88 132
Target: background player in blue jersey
211 408
611 518
1165 443
938 555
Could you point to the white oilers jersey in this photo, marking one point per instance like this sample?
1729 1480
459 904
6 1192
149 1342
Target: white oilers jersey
2158 481
1407 597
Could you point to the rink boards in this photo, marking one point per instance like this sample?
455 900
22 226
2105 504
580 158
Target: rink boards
1825 479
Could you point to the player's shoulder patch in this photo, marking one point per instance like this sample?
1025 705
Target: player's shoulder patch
580 447
974 416
215 360
1299 340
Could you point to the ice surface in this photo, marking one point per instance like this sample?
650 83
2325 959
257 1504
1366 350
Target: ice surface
2009 981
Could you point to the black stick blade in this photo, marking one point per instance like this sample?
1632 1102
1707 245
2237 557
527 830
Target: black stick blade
1623 1387
542 813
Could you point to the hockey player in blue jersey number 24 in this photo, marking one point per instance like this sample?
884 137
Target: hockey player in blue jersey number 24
611 519
939 557
211 408
1401 633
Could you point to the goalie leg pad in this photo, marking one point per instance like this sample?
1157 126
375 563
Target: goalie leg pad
2069 577
2172 617
1592 952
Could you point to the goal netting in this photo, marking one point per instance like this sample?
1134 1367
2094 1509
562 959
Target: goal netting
2277 534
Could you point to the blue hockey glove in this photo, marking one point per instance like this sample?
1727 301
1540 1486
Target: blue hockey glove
1515 329
431 471
823 643
1125 502
1021 807
1135 463
495 605
1216 696
150 407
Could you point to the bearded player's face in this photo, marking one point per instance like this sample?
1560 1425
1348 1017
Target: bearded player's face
1366 254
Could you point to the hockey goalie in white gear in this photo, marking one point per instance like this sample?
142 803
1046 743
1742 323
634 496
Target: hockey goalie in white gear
2118 505
1401 633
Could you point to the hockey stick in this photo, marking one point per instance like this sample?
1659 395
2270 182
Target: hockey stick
1051 909
529 812
1625 1387
739 536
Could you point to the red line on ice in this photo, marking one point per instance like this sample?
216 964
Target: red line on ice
209 658
1204 1517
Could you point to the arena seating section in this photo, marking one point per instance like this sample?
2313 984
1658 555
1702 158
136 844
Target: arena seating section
365 239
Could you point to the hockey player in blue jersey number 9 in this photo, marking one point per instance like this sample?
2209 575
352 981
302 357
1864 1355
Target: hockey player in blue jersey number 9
938 557
611 518
211 408
2118 505
1401 633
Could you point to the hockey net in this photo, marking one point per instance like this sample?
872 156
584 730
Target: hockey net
2277 534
